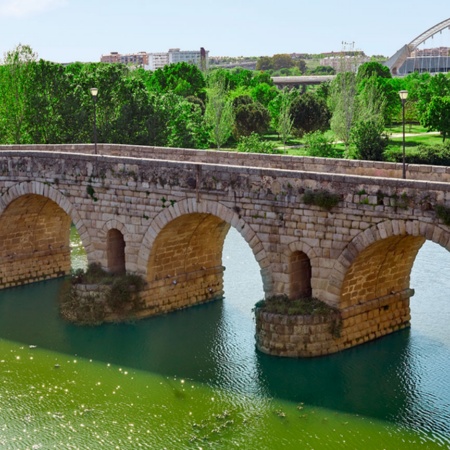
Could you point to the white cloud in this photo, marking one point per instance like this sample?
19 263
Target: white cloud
20 8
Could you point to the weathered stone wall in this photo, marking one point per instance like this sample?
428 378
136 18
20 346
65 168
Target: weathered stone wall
174 215
310 164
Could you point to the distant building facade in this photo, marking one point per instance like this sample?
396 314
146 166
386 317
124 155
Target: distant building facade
344 62
154 61
139 59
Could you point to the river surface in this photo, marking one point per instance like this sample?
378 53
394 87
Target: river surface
193 379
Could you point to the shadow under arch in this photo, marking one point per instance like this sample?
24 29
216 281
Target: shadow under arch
299 260
378 261
35 222
183 247
115 235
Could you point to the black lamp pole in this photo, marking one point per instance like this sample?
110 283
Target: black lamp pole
403 97
94 93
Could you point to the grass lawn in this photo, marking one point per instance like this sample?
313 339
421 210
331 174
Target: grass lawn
409 128
414 141
295 146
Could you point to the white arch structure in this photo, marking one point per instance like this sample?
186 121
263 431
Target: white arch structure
396 61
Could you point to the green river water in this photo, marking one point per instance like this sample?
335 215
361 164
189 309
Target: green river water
193 379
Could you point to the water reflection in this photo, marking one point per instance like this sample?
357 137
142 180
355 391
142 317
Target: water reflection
365 380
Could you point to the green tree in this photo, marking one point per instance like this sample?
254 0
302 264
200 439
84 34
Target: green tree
318 144
181 78
250 117
371 101
429 87
309 113
285 120
369 139
254 144
301 64
343 106
113 93
219 114
437 116
264 63
264 93
282 61
323 70
48 107
15 86
370 69
185 125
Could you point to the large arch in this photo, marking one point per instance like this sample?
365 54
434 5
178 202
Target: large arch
429 33
396 61
181 253
378 261
35 222
192 206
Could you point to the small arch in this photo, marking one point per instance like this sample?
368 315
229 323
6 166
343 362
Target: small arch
299 261
299 275
115 251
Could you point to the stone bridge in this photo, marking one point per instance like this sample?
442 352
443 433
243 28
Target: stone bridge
164 213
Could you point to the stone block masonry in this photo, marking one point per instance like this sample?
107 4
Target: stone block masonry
169 211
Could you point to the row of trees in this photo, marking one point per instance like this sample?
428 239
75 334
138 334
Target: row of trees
285 65
179 106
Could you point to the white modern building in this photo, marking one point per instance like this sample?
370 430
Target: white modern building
176 55
154 61
157 60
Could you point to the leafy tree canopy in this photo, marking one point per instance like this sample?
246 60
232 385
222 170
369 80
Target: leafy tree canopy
181 78
371 68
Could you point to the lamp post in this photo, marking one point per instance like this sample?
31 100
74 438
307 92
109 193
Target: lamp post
94 93
403 97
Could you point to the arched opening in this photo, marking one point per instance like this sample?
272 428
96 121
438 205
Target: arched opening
34 241
185 263
115 249
191 243
299 275
381 269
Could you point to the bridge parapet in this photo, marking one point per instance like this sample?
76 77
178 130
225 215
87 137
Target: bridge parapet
376 169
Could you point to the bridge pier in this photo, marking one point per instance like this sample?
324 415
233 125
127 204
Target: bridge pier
314 335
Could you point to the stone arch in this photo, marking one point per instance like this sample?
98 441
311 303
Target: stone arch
181 254
190 206
35 224
45 190
378 261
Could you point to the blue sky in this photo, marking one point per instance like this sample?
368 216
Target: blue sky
81 30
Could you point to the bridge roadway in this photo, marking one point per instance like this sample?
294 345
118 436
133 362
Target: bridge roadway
303 80
164 214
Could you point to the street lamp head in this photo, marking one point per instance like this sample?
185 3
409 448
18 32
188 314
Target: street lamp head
94 92
403 95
